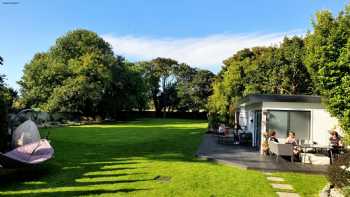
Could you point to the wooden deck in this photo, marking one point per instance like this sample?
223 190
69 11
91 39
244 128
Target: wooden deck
247 157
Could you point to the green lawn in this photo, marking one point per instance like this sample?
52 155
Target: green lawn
125 159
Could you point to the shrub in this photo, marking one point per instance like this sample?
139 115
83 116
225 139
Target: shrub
346 191
339 172
214 120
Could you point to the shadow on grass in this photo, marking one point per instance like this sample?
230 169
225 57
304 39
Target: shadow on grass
40 181
80 193
103 157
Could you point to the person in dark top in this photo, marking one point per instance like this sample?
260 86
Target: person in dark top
335 139
336 145
273 137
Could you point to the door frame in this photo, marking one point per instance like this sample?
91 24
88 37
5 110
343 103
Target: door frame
257 128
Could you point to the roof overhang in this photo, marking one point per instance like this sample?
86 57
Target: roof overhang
260 98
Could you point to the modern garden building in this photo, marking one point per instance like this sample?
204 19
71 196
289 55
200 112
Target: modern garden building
305 115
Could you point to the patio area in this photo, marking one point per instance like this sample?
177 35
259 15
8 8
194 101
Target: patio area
249 158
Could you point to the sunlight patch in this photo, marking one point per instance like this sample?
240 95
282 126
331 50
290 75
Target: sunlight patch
111 172
35 183
71 167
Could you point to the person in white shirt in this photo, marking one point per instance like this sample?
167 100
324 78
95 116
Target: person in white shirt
221 130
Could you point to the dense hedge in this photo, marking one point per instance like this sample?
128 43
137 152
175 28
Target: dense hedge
129 115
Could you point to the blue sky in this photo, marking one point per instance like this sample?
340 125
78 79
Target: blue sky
198 32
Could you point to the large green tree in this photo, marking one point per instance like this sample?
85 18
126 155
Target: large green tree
328 61
201 89
264 70
184 77
174 86
79 74
160 79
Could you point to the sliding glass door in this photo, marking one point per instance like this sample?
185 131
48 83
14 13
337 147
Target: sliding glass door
278 121
284 121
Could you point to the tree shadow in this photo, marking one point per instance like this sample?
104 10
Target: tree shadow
107 151
80 193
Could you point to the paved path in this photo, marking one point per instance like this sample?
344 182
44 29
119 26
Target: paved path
279 184
249 158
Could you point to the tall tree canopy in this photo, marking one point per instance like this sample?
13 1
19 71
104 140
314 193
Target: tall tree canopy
77 74
328 61
175 86
265 70
158 74
193 88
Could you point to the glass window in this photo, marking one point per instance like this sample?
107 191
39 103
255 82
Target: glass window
299 122
284 121
278 121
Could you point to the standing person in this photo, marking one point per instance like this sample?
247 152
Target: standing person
221 130
335 139
336 145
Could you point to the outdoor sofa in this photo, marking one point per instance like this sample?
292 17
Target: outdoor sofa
281 150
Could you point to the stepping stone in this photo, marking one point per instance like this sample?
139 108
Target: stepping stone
287 194
282 186
163 179
278 179
268 173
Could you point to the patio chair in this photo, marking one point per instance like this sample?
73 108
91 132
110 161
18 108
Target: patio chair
281 150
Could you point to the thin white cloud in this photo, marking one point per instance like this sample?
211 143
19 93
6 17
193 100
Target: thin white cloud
204 52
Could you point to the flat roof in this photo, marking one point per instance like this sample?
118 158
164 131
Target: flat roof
259 98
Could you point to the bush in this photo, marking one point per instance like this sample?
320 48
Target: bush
213 121
346 191
339 172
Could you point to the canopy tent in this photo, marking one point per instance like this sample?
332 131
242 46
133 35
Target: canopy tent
26 133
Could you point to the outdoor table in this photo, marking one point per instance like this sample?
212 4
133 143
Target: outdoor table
304 148
316 146
226 139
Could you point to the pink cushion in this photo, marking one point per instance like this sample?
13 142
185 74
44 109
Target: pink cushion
32 153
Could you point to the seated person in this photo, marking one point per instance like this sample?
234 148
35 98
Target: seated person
273 137
292 140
